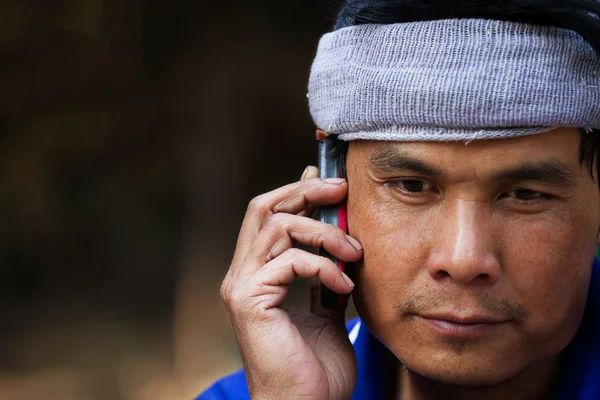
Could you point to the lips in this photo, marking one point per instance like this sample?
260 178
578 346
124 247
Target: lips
461 326
464 319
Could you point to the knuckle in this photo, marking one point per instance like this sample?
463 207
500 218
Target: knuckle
235 299
294 258
257 205
323 261
311 238
228 290
310 185
224 292
314 182
317 239
226 295
293 254
276 223
279 219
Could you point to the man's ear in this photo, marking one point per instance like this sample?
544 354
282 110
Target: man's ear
321 134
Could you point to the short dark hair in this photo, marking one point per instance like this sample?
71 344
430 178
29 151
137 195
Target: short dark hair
581 16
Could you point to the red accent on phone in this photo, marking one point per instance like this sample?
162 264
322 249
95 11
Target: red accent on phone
342 300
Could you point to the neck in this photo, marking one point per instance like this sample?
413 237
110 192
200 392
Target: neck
535 383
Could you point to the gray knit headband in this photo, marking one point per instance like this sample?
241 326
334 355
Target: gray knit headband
454 79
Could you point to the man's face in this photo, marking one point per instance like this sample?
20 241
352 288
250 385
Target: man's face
477 258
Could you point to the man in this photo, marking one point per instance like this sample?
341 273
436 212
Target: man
468 134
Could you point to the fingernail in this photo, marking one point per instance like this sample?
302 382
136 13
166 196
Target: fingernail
334 181
310 172
348 280
355 243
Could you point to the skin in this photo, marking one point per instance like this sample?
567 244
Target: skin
458 230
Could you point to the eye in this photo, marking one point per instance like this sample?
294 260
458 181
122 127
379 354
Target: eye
526 195
412 187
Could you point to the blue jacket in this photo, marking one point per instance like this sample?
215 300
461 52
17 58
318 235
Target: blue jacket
579 380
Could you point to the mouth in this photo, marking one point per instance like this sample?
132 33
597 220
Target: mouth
461 327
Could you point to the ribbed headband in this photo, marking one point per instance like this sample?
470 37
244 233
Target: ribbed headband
453 79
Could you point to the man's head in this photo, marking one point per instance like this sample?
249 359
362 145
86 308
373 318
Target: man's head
500 232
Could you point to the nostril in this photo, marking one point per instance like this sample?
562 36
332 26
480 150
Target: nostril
443 274
482 277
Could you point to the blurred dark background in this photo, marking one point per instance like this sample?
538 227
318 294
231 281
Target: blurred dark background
132 135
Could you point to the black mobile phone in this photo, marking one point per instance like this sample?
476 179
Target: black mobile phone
335 215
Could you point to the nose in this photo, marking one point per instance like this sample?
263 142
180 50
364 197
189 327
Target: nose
463 247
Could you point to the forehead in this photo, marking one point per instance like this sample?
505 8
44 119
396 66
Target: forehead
561 144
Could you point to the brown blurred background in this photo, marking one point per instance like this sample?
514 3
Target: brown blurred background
132 135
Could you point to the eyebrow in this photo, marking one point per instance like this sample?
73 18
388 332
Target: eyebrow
388 159
546 171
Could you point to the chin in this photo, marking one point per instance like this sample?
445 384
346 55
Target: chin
464 364
467 377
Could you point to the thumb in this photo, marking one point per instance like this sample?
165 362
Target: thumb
310 172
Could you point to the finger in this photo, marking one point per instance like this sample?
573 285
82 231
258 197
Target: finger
291 199
282 231
309 172
268 283
314 191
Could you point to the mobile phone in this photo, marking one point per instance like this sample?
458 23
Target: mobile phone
335 215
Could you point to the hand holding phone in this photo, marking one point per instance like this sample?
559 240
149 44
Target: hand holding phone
296 352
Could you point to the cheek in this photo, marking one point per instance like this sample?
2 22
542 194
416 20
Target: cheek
547 266
396 247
